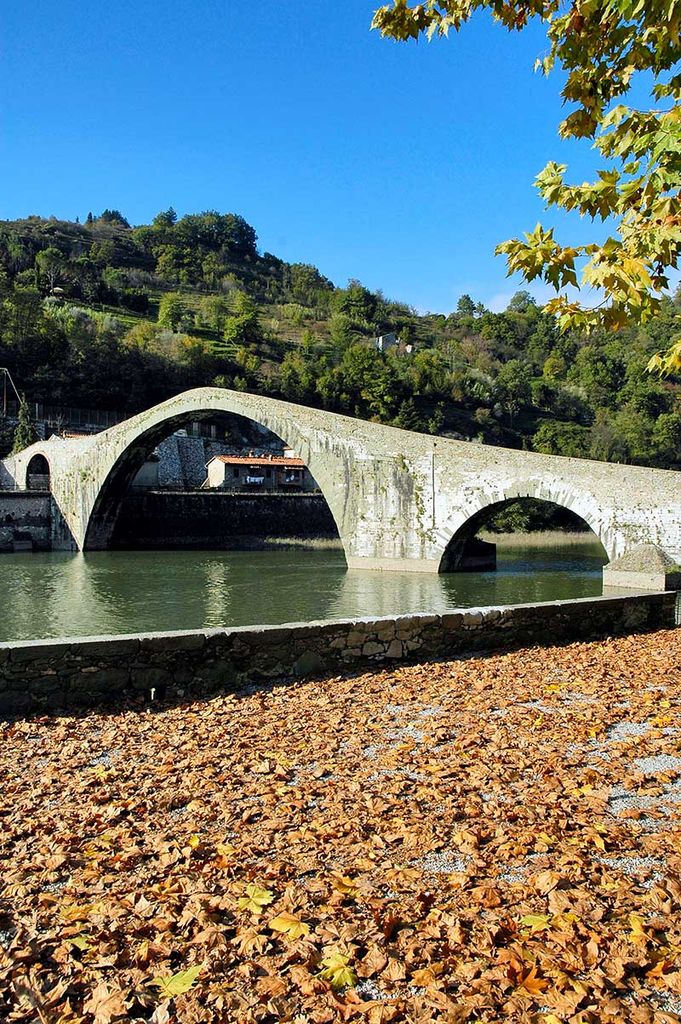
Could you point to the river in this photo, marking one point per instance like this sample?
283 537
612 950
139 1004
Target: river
62 594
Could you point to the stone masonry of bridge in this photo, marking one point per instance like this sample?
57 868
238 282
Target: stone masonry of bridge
401 500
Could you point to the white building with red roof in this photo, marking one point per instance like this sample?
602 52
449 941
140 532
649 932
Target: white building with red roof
259 473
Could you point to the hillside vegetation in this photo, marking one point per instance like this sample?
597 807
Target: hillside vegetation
102 314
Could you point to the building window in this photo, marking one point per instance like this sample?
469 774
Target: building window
235 470
268 474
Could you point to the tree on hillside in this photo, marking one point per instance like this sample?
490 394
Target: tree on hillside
114 217
174 262
172 310
568 439
465 306
25 433
296 380
50 265
599 374
103 253
513 387
666 438
305 283
214 231
341 331
521 302
165 219
371 383
603 49
214 311
357 302
243 327
408 416
212 270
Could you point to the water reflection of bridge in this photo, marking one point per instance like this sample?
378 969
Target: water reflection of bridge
64 593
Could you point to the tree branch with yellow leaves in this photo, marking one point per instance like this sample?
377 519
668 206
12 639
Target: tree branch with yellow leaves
602 47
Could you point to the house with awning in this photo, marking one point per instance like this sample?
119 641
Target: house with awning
259 473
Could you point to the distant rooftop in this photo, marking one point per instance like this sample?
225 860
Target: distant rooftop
258 460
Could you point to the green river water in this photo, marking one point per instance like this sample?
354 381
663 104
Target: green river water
62 594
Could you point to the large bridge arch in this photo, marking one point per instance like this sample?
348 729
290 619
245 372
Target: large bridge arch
144 432
469 516
89 488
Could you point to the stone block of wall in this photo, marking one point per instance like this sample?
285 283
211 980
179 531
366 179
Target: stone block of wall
70 673
7 481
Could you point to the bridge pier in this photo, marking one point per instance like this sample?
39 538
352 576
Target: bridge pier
424 565
644 567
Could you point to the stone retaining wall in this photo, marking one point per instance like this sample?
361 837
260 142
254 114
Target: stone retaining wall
25 515
69 673
202 519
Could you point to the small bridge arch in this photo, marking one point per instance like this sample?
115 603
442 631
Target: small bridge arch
468 518
93 481
38 473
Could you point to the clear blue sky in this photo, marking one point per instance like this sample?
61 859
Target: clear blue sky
401 165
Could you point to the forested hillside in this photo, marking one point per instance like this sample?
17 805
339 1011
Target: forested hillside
102 314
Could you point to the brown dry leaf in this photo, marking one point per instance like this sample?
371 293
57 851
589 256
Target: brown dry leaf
546 881
271 986
395 971
105 1003
424 977
250 940
533 984
374 962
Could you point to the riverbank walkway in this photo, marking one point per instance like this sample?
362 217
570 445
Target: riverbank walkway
495 838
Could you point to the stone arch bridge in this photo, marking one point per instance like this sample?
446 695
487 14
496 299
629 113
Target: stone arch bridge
401 500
